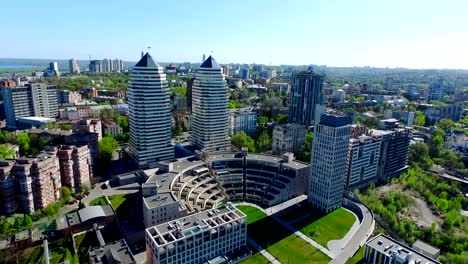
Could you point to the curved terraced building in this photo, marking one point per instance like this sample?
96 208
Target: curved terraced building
202 182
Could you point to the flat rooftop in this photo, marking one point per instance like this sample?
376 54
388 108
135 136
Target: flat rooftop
194 224
260 157
115 252
386 245
159 200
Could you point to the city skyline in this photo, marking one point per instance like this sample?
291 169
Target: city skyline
365 33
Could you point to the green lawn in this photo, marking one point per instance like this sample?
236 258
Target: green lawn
279 241
256 258
358 257
253 214
332 226
98 201
117 200
84 242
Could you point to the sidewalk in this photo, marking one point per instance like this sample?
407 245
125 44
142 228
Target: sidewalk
262 251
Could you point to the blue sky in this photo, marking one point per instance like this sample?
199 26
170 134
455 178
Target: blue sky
396 33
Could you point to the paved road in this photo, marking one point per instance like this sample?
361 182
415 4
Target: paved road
359 238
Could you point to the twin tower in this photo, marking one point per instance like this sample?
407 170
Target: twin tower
150 111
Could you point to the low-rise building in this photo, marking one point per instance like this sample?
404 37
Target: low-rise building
114 252
69 97
33 121
75 166
111 128
384 249
242 120
288 138
198 238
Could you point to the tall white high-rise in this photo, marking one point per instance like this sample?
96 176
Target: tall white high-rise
328 161
73 66
149 114
210 117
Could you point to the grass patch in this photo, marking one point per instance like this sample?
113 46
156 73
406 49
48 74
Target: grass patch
332 226
98 201
253 214
117 200
358 257
256 258
84 242
279 241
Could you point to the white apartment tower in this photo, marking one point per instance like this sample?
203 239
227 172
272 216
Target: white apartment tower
210 117
149 114
328 161
74 68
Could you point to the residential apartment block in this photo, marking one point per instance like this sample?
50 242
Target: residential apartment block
109 127
149 114
29 184
75 166
242 120
288 138
88 125
33 99
210 117
306 93
198 238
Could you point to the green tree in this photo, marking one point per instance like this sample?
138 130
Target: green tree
66 193
17 224
6 152
243 140
107 146
282 119
371 122
27 221
177 131
23 140
420 119
438 141
419 152
264 142
445 124
262 120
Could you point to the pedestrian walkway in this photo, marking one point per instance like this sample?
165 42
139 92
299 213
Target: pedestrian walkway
273 210
262 251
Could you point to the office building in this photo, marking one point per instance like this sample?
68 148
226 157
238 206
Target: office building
34 99
389 84
149 114
75 167
328 161
242 119
95 66
244 74
53 68
306 94
452 111
159 205
363 158
386 250
436 91
73 66
288 138
210 108
198 238
393 160
29 184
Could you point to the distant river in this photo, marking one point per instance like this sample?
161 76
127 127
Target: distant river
14 66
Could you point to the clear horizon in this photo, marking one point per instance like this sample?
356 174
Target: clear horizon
398 34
